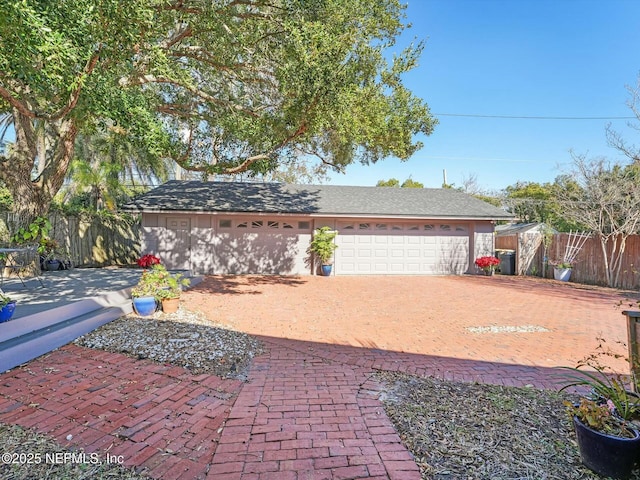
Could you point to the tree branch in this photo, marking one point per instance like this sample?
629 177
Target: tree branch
72 102
195 91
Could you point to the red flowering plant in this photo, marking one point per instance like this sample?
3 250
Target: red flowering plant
148 260
487 264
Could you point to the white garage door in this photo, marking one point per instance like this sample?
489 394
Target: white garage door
401 248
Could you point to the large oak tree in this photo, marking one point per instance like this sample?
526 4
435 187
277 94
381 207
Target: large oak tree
219 86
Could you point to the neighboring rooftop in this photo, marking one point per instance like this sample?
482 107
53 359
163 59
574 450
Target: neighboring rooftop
515 228
320 200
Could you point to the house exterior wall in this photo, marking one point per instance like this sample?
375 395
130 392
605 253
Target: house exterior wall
278 244
230 244
484 242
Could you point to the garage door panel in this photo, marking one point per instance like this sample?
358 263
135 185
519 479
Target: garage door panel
381 253
381 267
420 248
348 253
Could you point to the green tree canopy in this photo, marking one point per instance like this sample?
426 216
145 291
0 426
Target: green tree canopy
217 86
410 183
394 182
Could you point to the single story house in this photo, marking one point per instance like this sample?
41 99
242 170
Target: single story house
266 228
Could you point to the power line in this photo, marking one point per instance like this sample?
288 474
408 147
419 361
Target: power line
525 117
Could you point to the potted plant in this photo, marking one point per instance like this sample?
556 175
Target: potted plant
562 268
562 271
170 291
7 307
322 247
157 285
487 264
145 293
608 444
47 249
607 419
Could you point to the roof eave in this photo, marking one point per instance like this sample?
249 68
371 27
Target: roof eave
468 218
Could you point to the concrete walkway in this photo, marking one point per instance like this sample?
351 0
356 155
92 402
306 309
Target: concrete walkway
309 410
67 286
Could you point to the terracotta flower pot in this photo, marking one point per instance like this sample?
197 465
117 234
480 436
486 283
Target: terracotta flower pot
170 305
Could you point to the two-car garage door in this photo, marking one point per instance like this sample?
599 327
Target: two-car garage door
401 248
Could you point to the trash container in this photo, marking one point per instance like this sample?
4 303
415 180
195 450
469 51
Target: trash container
507 261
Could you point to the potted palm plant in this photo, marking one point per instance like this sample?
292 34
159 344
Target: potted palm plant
322 247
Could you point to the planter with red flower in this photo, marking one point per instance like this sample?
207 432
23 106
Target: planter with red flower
487 264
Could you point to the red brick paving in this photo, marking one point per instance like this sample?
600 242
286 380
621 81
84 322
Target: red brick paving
425 315
158 417
309 409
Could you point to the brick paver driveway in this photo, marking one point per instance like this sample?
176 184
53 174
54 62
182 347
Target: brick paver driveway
424 315
310 407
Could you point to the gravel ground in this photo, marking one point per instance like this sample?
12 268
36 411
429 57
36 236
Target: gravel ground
472 431
183 338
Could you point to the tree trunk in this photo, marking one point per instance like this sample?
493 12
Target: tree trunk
32 197
607 270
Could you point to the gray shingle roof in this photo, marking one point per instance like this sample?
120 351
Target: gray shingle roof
322 200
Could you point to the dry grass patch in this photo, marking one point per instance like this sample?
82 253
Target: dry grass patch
472 431
28 455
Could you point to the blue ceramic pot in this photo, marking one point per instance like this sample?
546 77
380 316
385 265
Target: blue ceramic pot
326 270
6 312
145 306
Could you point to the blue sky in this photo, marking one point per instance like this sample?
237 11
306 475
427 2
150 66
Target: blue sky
536 58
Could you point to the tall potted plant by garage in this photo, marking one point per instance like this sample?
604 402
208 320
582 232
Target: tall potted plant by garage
323 246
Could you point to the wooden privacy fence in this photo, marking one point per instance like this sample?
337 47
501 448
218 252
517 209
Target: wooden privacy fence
589 266
90 241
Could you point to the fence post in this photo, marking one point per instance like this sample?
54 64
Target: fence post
633 332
